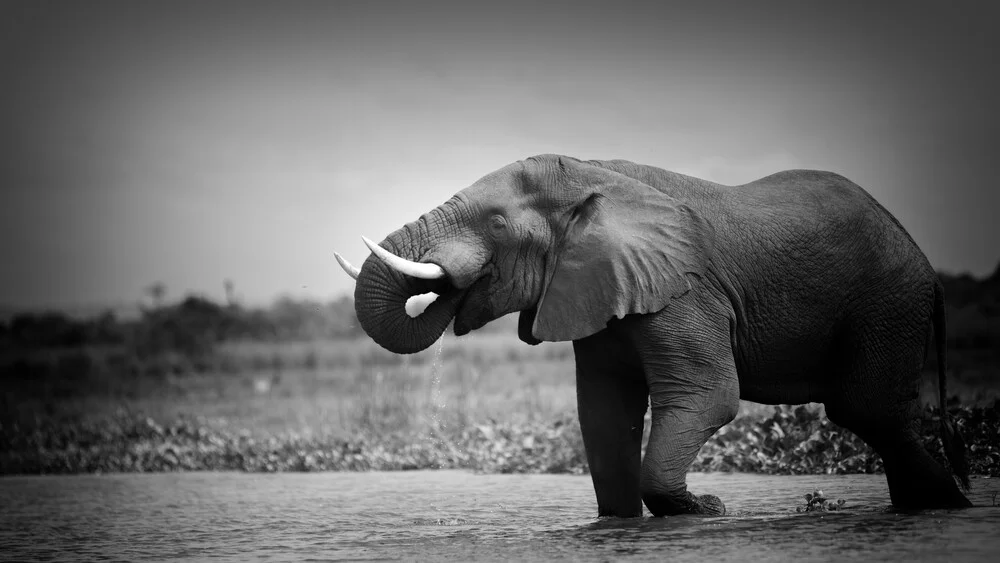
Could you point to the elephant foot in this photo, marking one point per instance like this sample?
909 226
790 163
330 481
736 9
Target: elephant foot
711 505
705 505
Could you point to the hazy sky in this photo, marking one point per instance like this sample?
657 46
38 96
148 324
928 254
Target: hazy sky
189 143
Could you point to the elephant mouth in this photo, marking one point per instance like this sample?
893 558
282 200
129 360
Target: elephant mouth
473 310
470 308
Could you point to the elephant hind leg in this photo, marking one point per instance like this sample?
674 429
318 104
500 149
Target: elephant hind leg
916 480
879 401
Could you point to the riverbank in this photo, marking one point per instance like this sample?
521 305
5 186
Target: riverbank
780 441
486 403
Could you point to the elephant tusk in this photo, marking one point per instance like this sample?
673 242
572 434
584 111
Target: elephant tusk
404 266
351 270
416 305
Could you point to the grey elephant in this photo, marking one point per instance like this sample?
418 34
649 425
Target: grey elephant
683 296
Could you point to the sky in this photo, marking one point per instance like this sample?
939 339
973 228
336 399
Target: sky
189 143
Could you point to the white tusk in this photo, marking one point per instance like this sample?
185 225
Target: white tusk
404 266
351 270
415 305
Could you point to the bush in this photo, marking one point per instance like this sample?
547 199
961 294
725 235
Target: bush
791 441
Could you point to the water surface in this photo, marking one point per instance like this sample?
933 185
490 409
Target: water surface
454 515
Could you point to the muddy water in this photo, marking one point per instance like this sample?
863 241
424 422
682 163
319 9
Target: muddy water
452 515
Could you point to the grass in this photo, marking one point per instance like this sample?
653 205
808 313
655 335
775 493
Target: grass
485 402
342 388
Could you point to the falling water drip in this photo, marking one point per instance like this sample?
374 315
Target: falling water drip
436 400
436 368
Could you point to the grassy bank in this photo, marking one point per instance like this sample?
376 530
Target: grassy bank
790 441
483 402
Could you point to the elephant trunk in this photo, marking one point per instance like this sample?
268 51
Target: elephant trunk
380 297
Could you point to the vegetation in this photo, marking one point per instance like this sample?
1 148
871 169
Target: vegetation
793 441
817 502
294 387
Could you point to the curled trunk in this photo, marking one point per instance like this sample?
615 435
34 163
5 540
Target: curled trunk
380 302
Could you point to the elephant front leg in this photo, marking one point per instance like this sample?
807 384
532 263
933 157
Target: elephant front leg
693 390
612 401
674 440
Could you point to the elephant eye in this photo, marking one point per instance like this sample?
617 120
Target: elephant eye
498 224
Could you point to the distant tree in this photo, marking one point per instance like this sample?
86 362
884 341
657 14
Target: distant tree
157 291
230 288
105 329
192 328
46 330
973 311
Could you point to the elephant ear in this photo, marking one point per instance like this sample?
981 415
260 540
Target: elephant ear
629 249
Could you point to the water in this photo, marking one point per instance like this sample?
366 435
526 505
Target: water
454 515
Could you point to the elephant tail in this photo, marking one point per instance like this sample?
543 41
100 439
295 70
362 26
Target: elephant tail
954 445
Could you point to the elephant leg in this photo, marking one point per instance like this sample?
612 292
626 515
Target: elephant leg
694 390
612 401
916 480
879 401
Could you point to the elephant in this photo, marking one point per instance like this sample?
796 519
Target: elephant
682 296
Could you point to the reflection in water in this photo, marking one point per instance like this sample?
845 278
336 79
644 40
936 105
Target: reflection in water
451 515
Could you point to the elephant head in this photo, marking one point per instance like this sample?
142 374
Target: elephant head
570 244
